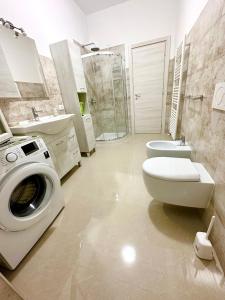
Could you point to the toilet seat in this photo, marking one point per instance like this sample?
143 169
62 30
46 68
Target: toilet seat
172 169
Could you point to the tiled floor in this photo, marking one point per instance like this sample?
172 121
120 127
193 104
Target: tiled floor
7 292
113 241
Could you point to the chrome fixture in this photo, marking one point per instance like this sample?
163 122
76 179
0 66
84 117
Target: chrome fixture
182 141
94 48
35 113
98 53
9 25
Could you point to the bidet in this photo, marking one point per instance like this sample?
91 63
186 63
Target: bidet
168 149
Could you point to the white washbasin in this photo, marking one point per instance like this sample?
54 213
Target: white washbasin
48 125
168 149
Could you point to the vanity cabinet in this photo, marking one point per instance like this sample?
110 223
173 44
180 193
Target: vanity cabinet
61 142
65 150
88 127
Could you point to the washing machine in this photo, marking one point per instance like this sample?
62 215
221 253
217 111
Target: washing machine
30 197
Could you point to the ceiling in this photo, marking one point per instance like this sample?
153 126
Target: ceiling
91 6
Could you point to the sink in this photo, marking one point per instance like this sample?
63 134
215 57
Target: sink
49 125
168 148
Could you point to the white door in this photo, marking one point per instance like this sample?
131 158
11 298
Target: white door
148 86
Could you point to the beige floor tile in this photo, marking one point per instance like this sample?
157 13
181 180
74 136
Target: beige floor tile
113 241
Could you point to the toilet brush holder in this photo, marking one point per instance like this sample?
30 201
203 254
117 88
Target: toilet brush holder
202 245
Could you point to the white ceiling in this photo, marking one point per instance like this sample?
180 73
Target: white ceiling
91 6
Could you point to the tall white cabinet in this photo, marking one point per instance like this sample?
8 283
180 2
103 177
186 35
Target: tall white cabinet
67 59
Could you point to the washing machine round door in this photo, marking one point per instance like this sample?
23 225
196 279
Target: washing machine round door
26 195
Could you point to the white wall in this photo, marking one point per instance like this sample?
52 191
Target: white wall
189 11
46 21
140 20
133 21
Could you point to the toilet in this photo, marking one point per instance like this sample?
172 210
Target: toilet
178 181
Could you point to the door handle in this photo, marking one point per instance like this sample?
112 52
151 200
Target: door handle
137 96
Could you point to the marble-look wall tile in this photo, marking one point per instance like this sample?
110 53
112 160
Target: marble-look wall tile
169 94
31 90
16 110
50 77
203 126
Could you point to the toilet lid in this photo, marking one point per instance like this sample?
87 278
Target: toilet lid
170 168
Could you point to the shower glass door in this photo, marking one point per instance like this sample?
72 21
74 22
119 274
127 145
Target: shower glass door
120 96
105 77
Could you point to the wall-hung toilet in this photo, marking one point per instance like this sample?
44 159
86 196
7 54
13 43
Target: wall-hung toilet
178 181
168 148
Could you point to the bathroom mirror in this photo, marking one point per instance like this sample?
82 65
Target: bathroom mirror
23 61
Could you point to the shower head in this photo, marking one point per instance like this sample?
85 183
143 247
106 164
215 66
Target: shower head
94 48
97 53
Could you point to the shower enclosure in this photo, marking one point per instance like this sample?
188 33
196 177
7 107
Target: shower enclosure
106 91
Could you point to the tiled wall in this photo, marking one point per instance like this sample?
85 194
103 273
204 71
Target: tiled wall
169 94
204 127
16 110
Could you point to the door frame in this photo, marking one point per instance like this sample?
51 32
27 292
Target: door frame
167 41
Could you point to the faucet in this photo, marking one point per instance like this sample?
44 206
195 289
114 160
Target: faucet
182 141
35 113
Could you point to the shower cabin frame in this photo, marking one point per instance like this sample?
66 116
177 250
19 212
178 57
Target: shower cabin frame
117 134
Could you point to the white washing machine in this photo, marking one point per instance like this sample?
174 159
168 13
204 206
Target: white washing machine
30 197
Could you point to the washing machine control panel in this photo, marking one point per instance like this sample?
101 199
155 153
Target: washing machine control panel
30 148
16 153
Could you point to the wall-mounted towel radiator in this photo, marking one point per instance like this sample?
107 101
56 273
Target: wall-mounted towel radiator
177 85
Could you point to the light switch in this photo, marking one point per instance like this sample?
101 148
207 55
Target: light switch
219 96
